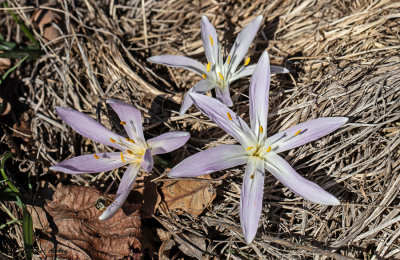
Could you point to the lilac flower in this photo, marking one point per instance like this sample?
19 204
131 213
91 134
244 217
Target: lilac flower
134 151
217 74
256 150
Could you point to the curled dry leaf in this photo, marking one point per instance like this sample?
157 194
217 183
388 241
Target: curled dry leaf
22 129
45 21
5 63
70 222
5 106
192 249
165 249
192 196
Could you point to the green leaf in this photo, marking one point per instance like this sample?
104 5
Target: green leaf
3 172
6 46
27 232
10 223
12 69
21 24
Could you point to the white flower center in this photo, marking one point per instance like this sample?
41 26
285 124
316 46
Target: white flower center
131 151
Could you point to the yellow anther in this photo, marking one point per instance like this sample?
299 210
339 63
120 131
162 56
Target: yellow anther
112 140
96 156
122 158
130 140
269 149
204 75
252 176
229 116
122 123
130 152
261 129
211 40
247 61
298 132
229 59
249 148
208 66
220 75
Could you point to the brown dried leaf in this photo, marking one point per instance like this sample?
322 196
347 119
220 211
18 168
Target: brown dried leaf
79 234
23 128
5 63
192 196
165 248
5 106
189 249
44 20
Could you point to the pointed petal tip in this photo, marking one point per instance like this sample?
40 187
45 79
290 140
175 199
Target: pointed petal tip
151 59
345 119
204 18
60 110
104 216
339 120
249 238
332 200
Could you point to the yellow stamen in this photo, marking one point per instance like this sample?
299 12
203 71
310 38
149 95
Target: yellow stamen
298 132
122 123
211 40
229 116
130 152
229 59
112 140
122 158
247 61
252 176
269 149
204 75
208 66
96 156
249 148
130 140
261 129
220 75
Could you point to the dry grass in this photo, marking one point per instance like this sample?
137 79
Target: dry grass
344 61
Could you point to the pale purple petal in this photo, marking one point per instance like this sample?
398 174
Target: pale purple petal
210 45
123 191
278 70
225 118
201 87
282 170
248 70
211 160
251 198
130 116
89 164
259 95
88 127
147 162
167 142
179 62
309 131
224 96
243 41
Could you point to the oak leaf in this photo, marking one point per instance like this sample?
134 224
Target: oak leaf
192 196
73 231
